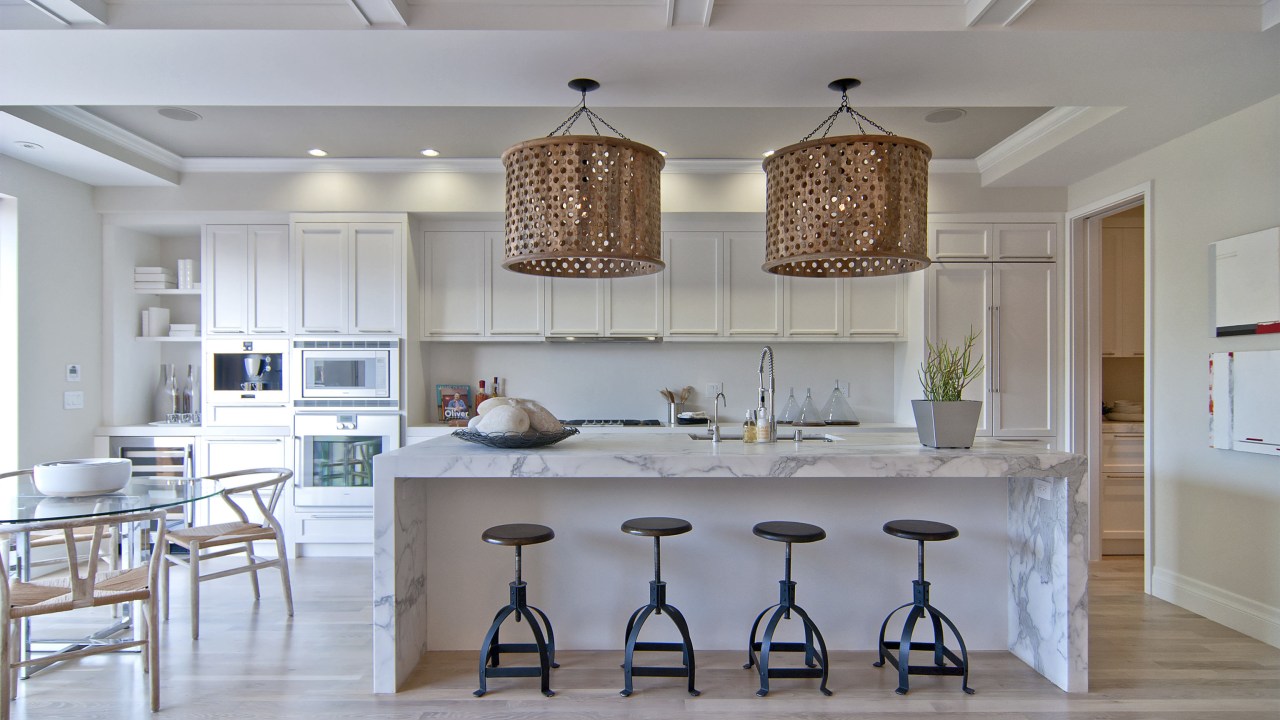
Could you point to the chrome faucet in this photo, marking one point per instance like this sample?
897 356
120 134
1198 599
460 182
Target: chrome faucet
715 415
767 392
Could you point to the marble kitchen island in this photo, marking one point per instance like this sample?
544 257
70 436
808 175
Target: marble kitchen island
1015 578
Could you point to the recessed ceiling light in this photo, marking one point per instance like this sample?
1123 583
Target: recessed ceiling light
431 152
316 152
766 153
945 115
180 114
28 145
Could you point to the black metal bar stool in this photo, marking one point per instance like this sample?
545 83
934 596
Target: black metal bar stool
815 657
923 531
657 528
544 641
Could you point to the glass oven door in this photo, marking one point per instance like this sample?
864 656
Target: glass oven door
335 463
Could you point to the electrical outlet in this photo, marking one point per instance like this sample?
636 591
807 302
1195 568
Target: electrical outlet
714 389
73 400
1042 488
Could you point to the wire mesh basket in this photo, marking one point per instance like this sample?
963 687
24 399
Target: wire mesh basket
513 440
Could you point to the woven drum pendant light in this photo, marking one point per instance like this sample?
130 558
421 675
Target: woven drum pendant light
585 206
847 206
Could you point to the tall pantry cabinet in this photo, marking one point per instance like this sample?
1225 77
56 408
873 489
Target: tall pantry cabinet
1000 279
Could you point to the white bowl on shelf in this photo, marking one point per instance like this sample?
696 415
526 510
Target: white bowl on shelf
81 478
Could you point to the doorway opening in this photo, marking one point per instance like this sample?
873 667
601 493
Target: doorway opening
1111 409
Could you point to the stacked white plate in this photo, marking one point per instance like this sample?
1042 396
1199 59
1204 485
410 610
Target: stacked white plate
1126 411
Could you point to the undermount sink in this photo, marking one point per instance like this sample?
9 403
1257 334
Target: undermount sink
782 437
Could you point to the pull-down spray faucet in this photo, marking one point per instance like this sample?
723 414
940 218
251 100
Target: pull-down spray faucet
766 395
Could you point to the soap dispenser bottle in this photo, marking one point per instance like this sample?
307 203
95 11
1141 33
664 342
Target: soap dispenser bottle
749 428
764 425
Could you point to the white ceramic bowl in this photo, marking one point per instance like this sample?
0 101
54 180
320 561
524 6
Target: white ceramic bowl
77 478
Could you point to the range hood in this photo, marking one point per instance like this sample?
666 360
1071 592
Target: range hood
603 339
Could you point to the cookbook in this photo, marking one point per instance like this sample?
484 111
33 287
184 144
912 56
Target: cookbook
453 403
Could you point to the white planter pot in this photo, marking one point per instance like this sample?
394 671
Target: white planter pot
950 424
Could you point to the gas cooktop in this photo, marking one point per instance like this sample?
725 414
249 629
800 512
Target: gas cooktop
593 422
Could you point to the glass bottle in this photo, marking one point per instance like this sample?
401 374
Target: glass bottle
481 395
160 398
749 428
188 391
494 391
808 411
173 396
790 410
837 410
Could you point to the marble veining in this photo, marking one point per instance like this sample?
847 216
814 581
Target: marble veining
1046 523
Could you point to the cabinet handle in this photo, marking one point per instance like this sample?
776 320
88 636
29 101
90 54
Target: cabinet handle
1108 353
995 351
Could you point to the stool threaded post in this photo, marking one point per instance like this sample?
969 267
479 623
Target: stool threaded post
657 559
920 558
517 564
788 565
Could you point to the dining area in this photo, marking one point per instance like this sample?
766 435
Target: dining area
91 552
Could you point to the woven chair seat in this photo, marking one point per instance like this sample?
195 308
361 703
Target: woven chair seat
221 534
50 596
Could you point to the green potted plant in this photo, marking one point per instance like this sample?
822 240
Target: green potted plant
943 419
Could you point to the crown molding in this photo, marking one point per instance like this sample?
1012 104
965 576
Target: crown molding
114 134
1040 135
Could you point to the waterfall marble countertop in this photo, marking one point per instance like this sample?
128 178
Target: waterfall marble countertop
863 454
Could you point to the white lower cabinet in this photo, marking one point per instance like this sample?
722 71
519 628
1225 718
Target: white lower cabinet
225 454
1122 492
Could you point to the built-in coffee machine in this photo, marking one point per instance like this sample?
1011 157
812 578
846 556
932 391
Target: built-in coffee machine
246 372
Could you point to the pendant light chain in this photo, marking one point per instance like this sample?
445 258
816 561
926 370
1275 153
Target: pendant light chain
584 111
858 118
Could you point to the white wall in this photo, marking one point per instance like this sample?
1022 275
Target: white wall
59 310
1216 529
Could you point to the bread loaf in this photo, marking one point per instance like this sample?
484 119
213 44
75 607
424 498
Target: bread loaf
504 418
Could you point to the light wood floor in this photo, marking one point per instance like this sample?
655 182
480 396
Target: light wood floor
1149 659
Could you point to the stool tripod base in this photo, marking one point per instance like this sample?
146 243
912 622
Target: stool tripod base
814 647
657 606
544 644
905 647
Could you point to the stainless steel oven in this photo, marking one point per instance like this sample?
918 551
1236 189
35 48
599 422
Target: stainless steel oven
346 373
335 456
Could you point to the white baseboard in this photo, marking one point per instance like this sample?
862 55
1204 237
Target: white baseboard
1224 607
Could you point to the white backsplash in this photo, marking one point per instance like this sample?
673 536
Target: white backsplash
621 380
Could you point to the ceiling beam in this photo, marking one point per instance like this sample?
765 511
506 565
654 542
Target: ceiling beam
73 12
994 12
689 12
383 13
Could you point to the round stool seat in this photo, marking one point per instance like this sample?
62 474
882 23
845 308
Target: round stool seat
923 530
656 526
787 531
518 534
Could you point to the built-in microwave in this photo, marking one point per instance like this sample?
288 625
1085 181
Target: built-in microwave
346 373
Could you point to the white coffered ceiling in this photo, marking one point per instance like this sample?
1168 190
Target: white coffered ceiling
1054 90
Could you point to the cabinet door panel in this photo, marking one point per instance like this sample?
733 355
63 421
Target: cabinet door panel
753 304
960 241
961 303
377 262
575 306
269 290
454 272
515 299
693 283
1130 293
227 454
876 306
226 272
1023 372
1032 241
321 255
814 306
635 305
1109 294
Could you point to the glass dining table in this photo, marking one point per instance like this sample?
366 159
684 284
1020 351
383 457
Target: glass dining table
21 503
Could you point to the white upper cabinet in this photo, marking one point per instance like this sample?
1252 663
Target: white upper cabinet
753 299
693 283
959 242
246 276
515 299
875 307
575 306
453 273
814 306
634 306
1121 309
350 277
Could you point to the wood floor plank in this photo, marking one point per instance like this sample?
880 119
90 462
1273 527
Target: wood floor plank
1149 660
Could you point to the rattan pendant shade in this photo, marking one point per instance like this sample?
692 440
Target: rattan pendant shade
583 205
847 206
